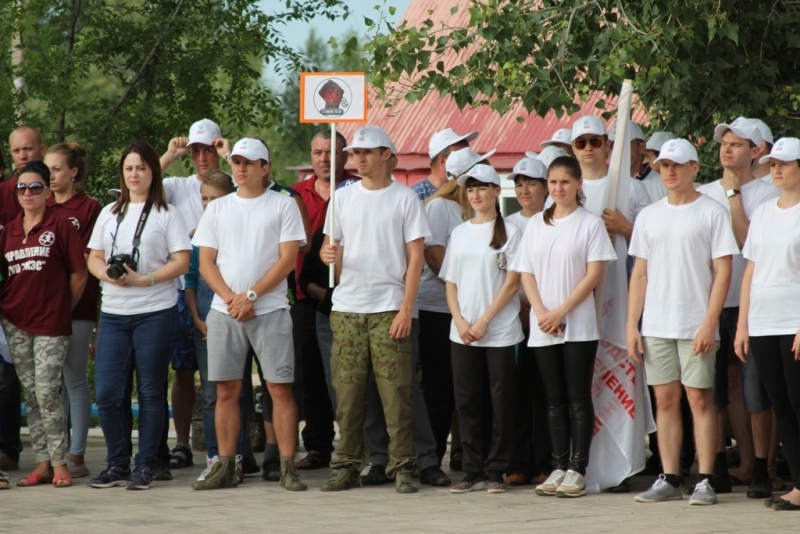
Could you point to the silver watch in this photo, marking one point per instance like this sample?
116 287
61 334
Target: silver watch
251 295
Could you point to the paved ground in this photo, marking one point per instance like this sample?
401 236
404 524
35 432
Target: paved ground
258 505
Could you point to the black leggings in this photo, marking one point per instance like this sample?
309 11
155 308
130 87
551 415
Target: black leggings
567 372
780 373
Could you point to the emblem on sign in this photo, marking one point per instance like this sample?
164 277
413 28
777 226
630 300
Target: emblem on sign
333 97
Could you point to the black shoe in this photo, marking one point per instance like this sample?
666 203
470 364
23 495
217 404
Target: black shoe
162 473
760 487
622 487
722 483
271 469
7 463
249 465
434 476
375 477
181 456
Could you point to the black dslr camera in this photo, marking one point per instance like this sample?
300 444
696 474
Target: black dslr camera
117 263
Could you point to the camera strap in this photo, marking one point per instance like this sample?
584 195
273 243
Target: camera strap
137 236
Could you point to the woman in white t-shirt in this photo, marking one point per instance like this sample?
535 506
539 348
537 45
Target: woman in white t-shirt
561 261
139 313
769 304
483 300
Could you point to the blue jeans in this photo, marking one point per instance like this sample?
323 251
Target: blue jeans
127 343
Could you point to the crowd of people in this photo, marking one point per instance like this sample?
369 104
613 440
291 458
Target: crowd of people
447 321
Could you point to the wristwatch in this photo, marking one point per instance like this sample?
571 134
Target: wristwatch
732 192
251 295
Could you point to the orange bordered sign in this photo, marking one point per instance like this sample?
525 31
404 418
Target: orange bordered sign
333 97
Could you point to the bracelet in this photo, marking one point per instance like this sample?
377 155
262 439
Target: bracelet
152 278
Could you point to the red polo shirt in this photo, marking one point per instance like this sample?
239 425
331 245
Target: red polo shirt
36 296
317 208
82 212
8 197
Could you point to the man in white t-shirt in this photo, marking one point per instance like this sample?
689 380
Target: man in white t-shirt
378 227
739 395
248 245
683 246
440 146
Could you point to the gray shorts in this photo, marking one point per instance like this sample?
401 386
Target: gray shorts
270 335
672 360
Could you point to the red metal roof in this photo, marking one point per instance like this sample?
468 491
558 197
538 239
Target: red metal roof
411 126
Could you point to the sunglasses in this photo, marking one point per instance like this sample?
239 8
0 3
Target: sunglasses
580 144
35 188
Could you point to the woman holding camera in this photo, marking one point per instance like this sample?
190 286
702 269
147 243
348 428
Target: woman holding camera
138 247
42 259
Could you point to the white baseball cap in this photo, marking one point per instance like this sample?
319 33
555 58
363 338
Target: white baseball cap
657 140
561 136
678 150
531 154
370 137
482 173
634 132
529 168
447 137
763 129
462 160
250 149
204 132
549 154
744 128
588 124
786 149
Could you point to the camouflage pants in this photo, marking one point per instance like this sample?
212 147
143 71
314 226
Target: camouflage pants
361 340
39 361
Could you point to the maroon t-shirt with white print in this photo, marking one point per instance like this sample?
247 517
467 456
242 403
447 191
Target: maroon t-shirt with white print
36 296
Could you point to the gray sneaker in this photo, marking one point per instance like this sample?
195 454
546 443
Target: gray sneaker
703 494
290 480
661 490
402 481
342 479
222 475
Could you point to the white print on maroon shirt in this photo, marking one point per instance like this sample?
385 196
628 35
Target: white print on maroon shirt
29 254
75 222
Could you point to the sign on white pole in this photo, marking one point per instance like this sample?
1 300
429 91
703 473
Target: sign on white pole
333 97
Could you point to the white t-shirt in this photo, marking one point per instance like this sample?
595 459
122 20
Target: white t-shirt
374 226
184 193
247 233
773 244
679 244
164 233
557 256
654 186
596 193
518 220
472 265
754 193
768 179
443 217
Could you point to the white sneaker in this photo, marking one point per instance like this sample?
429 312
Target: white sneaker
549 486
209 464
573 485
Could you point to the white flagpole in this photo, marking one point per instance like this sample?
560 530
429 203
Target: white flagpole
331 204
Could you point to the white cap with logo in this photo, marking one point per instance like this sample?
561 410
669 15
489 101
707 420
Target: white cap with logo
634 132
786 149
482 173
447 137
370 137
678 151
742 127
204 132
588 125
549 154
657 140
250 149
531 154
529 168
462 160
562 136
764 130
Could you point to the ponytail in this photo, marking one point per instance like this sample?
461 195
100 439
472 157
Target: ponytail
499 235
571 166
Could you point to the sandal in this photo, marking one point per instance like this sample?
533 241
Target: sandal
5 481
33 479
62 481
181 456
456 456
313 460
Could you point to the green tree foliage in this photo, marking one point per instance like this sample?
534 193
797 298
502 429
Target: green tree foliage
106 72
694 64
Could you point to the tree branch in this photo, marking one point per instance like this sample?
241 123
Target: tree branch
62 119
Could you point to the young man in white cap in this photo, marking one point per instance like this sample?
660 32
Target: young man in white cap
652 179
439 147
761 170
378 227
561 138
683 246
739 395
248 246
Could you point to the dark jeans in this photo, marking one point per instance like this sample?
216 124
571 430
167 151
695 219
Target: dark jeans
469 378
532 451
127 343
780 373
437 374
10 413
567 372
